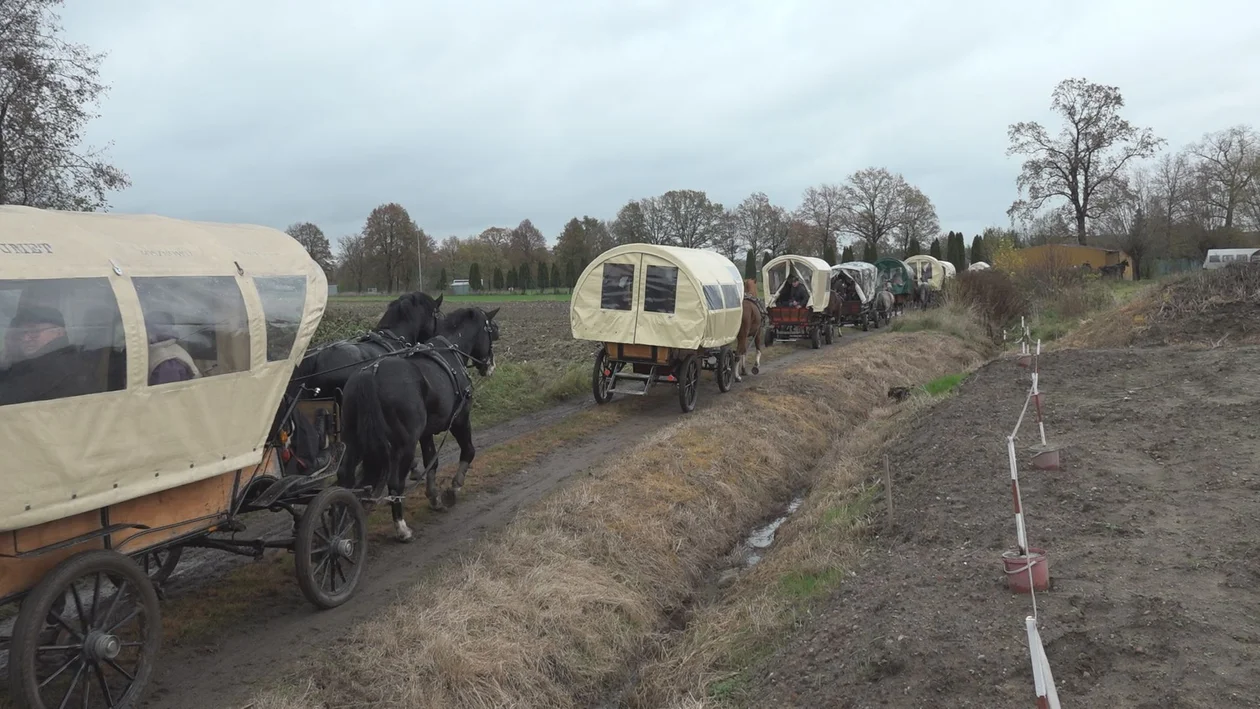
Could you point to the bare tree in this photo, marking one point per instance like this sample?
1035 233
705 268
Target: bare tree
391 239
725 234
756 221
917 220
47 89
1228 165
312 238
872 204
692 220
354 262
1128 220
823 208
1086 160
1172 184
526 243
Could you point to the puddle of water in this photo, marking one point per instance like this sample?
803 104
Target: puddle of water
762 537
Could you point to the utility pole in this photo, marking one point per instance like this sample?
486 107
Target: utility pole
419 264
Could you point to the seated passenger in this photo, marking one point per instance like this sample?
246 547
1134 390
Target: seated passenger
43 365
168 360
793 294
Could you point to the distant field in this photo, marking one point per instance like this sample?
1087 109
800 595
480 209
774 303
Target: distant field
449 298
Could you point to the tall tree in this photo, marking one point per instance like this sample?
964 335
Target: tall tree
692 220
511 280
574 244
1127 225
543 276
750 264
914 249
725 234
935 251
526 243
917 219
977 250
497 279
1172 185
555 276
395 244
312 238
474 276
524 277
443 284
823 208
872 204
757 222
48 89
847 255
870 252
1228 168
630 226
353 273
829 251
570 274
1086 161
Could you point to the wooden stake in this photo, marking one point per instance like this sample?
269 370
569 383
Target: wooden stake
888 490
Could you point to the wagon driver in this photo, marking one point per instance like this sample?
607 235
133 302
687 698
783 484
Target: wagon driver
793 293
42 363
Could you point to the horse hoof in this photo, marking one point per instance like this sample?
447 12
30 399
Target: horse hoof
402 531
756 370
436 506
449 498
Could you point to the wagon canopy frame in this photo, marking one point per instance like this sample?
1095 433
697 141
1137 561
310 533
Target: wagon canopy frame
660 296
863 274
900 278
814 272
940 269
241 302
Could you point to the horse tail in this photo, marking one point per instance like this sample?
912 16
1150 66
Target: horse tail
363 420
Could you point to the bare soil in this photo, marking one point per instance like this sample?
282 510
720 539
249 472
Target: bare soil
285 628
1150 531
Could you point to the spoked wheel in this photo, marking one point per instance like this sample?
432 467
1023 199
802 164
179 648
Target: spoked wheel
331 547
725 369
98 650
159 564
688 383
815 338
602 378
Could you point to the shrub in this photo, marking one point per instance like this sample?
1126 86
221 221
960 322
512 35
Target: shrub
992 295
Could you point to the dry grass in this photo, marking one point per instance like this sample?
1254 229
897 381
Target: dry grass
551 611
1205 307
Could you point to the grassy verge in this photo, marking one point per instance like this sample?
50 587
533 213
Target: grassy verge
519 389
550 611
951 319
709 663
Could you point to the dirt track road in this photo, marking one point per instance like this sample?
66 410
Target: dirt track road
223 675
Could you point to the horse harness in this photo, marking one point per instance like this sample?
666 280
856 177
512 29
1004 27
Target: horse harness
461 383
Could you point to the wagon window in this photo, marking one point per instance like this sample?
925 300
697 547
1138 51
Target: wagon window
283 302
199 319
617 287
660 292
1214 258
713 297
730 294
61 338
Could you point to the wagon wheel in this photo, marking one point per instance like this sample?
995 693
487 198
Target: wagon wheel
99 650
688 382
330 547
159 564
601 383
828 333
815 337
725 374
769 336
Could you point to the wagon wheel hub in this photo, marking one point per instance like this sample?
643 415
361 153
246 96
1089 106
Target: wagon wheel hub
100 646
343 548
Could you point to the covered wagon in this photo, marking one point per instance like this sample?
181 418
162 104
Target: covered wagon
661 314
898 276
143 366
856 282
802 312
930 270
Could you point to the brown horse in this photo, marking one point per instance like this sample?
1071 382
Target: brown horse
749 326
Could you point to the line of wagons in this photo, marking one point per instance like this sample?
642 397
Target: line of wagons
663 314
110 474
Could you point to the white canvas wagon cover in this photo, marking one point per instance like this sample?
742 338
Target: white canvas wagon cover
916 264
814 272
864 274
667 296
87 300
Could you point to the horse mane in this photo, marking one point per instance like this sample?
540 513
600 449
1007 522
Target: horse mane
401 309
456 320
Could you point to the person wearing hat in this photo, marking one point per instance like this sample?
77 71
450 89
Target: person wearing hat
793 293
42 363
168 360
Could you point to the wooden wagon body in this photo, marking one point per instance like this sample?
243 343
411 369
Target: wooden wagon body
811 320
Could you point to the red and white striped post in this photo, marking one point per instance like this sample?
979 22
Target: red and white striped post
1043 679
1021 535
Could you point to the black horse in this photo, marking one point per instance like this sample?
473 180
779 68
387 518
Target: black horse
397 402
410 319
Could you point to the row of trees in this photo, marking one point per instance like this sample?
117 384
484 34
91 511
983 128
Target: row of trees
1102 180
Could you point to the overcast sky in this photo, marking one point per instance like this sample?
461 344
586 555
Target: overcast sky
477 113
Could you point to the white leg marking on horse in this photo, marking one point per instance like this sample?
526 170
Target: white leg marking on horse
401 529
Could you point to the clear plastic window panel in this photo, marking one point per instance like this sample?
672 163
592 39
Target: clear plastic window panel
660 292
200 319
713 297
283 301
618 286
61 338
